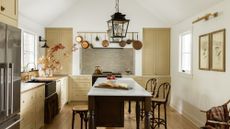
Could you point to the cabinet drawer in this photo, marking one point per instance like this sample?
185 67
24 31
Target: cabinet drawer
80 92
40 94
80 98
80 88
81 77
27 99
28 119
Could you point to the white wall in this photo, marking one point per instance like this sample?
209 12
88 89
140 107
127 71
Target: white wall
91 16
30 26
204 89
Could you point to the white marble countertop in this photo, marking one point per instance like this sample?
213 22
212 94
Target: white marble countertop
54 78
135 91
29 86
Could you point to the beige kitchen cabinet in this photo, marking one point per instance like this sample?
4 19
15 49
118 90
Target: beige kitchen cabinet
64 36
142 80
79 87
32 104
40 102
9 12
156 51
160 79
58 90
62 91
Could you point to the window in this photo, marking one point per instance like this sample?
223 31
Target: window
28 51
185 64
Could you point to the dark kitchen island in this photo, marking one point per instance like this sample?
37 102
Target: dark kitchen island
106 106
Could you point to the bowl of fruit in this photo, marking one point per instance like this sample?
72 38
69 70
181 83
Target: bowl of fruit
111 78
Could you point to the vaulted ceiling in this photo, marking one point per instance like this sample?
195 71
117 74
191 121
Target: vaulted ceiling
169 11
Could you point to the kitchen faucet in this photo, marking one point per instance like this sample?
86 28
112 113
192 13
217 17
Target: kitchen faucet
27 67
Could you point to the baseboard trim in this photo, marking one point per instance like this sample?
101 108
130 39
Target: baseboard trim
188 116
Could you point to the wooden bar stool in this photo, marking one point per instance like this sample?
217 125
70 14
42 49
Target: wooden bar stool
83 112
150 86
160 99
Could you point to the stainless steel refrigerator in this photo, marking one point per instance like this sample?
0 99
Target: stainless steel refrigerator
10 78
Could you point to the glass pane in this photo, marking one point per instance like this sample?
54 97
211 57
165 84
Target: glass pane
186 43
186 62
29 51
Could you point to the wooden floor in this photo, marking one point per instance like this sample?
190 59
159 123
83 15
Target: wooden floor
63 120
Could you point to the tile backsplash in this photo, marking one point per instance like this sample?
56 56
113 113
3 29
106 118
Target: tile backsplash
114 60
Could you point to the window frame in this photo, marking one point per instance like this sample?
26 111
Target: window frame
23 65
181 53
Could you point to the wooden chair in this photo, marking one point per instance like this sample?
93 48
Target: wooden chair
161 98
150 86
83 112
217 117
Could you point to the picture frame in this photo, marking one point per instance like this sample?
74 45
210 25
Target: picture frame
218 44
204 52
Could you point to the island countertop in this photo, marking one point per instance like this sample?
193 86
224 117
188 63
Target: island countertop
135 89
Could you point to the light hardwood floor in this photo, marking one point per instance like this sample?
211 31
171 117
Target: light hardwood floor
63 120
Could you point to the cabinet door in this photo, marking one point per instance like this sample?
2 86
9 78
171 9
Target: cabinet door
148 53
162 66
156 51
40 98
28 110
9 8
58 90
64 88
64 36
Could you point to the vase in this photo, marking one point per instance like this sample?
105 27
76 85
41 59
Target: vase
49 73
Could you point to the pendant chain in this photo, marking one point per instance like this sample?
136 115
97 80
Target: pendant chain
117 6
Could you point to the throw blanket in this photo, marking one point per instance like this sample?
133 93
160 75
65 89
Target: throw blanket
219 113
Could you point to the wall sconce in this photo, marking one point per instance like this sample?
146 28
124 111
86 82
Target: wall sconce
43 40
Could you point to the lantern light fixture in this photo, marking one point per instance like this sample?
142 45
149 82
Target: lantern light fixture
118 24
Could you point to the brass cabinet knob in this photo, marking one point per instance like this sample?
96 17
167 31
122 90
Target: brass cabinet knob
2 8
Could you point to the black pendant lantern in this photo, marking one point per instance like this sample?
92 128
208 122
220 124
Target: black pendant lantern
118 25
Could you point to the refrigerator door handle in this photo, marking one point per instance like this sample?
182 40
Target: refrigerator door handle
7 92
12 87
2 86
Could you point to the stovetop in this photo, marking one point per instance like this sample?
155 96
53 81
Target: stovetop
105 74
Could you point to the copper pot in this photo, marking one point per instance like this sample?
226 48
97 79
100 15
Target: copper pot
105 43
79 39
137 45
129 41
122 43
85 44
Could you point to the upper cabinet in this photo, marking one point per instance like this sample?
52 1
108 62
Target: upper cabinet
55 36
156 51
9 12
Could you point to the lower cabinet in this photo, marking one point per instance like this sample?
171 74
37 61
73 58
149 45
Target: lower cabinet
62 91
142 80
32 108
79 87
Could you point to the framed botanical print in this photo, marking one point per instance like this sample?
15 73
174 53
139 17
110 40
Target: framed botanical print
218 51
204 52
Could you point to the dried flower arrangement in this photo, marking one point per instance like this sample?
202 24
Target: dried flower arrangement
49 63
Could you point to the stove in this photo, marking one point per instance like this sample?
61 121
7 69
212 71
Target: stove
51 99
50 86
103 75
